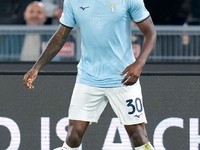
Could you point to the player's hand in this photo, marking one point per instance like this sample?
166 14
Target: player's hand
29 77
132 72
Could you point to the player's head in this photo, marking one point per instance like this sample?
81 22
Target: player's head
35 14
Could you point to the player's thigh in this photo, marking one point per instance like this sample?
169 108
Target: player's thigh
127 103
87 103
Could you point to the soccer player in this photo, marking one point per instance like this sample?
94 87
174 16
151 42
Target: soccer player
107 71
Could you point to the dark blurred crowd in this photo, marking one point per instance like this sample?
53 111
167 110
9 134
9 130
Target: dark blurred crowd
174 12
12 11
48 12
163 12
26 47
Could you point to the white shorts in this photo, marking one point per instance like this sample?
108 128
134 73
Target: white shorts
88 103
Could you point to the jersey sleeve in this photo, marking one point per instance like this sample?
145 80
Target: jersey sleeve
67 18
138 10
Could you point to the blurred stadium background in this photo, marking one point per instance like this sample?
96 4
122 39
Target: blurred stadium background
37 119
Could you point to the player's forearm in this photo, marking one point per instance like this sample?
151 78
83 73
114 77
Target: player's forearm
149 32
147 47
50 52
53 47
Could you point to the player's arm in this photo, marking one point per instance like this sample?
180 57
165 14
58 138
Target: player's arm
134 70
53 47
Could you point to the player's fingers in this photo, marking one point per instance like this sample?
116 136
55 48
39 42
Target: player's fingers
30 81
27 81
125 78
29 85
29 77
124 72
131 81
26 77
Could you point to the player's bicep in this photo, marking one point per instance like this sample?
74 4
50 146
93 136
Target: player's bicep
147 26
63 31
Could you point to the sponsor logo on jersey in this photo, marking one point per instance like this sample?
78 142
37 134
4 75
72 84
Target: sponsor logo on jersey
83 8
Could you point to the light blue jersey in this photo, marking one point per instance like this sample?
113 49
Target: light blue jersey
105 27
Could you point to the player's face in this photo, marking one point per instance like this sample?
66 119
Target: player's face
35 15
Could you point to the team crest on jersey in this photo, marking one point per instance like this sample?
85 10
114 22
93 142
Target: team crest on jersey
112 6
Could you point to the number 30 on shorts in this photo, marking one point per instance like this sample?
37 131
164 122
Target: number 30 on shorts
137 106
